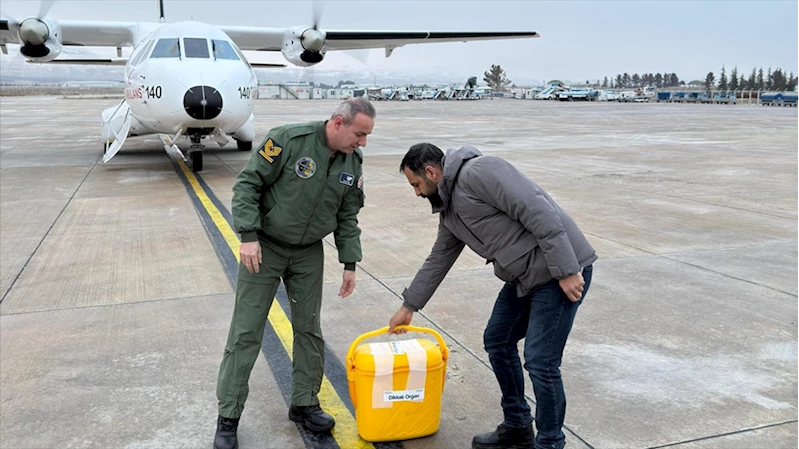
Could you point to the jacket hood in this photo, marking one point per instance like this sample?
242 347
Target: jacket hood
452 163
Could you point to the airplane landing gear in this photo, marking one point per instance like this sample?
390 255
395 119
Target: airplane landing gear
243 146
196 153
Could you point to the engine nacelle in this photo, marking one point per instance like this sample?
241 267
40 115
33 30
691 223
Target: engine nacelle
40 38
303 46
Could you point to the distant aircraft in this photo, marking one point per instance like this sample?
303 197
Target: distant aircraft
190 79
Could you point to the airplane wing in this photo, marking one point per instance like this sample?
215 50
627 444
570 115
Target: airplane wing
300 45
265 65
86 61
271 39
355 40
84 32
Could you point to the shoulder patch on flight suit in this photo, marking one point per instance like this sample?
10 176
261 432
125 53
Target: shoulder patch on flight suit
270 150
305 167
359 191
346 179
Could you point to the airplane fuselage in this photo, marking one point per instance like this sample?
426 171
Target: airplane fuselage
189 76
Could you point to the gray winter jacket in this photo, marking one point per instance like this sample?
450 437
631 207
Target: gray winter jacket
505 218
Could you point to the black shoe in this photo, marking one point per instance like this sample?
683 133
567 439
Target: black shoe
226 433
312 416
505 438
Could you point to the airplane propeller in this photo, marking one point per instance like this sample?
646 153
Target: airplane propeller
361 56
32 30
44 7
313 39
318 11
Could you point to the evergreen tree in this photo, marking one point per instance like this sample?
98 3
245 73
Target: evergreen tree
734 79
780 83
636 80
723 79
761 84
710 80
619 80
752 83
659 80
769 80
675 80
496 78
605 82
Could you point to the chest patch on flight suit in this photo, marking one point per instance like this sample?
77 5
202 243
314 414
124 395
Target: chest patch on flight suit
305 167
346 179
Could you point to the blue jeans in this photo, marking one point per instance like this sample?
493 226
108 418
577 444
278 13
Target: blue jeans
543 318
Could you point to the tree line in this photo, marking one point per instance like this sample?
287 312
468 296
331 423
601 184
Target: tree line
776 80
647 79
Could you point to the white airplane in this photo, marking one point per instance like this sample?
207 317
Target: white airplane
190 79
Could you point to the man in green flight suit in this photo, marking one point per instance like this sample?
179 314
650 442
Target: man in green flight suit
304 182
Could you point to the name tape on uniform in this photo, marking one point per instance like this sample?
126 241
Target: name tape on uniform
346 179
403 395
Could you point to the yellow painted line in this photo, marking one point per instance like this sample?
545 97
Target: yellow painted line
346 435
227 233
346 430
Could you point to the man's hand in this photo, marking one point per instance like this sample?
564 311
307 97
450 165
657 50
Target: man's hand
403 316
348 285
250 255
573 286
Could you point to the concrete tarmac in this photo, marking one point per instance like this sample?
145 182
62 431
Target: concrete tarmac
117 288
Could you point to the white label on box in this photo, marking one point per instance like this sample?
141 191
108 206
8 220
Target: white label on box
403 395
396 346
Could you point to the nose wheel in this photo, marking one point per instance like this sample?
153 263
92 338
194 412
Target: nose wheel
195 155
243 146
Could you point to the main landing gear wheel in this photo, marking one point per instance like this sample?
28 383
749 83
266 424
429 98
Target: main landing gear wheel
244 146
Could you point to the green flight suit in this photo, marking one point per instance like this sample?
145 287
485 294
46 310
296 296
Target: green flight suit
288 197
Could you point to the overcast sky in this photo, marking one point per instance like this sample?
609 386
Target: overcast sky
580 39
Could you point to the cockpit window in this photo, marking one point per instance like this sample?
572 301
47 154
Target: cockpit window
223 50
145 48
166 48
196 47
241 55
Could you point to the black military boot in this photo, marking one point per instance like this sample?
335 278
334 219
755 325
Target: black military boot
505 438
226 433
312 416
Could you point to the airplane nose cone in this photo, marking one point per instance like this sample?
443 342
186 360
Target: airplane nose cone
202 102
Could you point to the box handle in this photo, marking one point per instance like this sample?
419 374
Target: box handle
442 346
